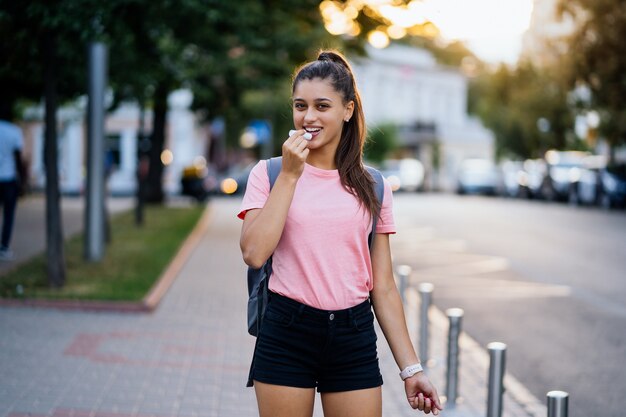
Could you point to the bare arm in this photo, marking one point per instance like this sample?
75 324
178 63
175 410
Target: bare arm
262 228
387 303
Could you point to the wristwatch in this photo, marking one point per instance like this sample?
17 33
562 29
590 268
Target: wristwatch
411 370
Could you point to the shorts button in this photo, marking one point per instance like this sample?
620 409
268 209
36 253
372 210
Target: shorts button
332 316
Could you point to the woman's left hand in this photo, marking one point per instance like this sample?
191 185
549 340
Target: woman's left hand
421 394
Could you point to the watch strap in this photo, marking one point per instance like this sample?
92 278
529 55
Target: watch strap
411 370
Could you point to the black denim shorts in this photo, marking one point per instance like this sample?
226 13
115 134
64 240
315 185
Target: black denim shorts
304 347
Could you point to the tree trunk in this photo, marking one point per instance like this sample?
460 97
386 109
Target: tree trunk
154 183
141 163
54 228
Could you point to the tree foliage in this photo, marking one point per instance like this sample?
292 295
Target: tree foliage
224 51
255 55
25 31
381 140
595 58
44 43
511 101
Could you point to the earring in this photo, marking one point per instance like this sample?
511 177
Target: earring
347 120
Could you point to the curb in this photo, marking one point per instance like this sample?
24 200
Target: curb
167 278
150 302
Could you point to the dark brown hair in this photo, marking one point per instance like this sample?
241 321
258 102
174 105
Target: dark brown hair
333 66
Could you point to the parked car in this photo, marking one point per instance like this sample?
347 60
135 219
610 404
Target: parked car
613 186
563 169
478 176
602 185
405 174
531 178
583 190
198 182
512 174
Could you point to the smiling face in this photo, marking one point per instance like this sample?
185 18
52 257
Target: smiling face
320 110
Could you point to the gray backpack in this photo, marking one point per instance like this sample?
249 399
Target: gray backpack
258 279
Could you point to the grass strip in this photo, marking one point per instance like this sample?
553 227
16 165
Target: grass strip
133 261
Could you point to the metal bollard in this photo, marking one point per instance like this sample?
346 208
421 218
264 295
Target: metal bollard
426 297
455 316
404 271
497 364
557 403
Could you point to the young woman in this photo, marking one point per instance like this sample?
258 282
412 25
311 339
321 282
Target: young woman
318 330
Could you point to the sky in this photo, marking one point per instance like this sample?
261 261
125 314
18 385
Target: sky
492 29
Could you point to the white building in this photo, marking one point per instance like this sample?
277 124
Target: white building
185 139
428 102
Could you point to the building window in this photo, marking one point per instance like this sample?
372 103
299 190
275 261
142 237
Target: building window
112 153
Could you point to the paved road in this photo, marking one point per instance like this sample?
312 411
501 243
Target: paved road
190 357
547 279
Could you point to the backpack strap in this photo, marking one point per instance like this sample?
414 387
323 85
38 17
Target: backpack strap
379 188
273 169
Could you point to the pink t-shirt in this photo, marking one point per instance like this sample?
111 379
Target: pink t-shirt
322 259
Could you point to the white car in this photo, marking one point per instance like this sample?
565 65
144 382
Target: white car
477 175
512 177
405 174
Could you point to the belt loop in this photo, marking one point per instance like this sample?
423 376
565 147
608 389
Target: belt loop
300 311
352 319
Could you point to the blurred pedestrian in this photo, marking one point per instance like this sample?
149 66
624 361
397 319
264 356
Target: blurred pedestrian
318 329
11 169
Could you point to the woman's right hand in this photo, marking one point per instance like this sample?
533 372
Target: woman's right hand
295 152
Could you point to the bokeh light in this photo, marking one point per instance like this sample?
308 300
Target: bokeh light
199 162
229 186
399 20
351 12
396 32
355 30
167 157
402 16
248 139
378 39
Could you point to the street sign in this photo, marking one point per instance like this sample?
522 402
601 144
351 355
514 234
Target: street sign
262 129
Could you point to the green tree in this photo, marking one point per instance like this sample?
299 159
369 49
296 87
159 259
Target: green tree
44 47
221 50
595 58
381 141
147 40
512 101
246 75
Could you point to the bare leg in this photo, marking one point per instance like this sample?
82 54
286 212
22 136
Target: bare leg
281 401
359 403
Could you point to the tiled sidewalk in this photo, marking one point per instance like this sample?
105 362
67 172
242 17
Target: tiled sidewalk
188 358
